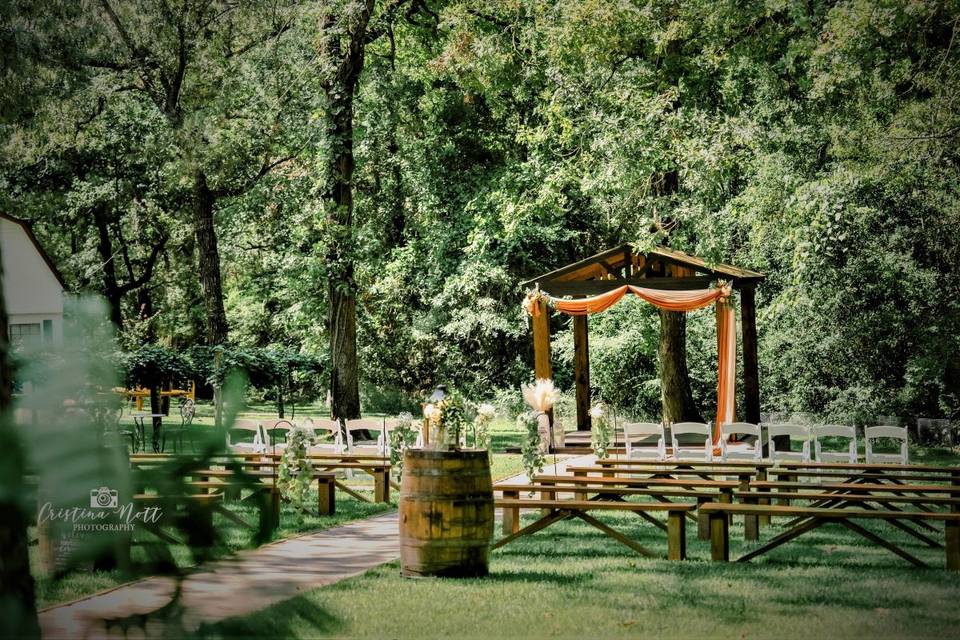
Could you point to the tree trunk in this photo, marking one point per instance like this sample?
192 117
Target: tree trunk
209 260
111 287
675 395
342 311
18 609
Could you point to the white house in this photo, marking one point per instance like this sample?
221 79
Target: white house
33 289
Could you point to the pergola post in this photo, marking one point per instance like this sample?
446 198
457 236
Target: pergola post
581 371
751 375
541 342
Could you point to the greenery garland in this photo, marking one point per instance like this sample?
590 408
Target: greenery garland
601 433
403 436
295 473
531 453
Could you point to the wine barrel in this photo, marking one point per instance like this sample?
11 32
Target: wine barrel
446 513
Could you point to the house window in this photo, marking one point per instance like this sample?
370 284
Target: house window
25 335
48 331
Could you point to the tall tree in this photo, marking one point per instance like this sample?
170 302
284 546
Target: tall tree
345 33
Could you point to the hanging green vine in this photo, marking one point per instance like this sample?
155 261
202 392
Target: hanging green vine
601 434
295 473
531 453
403 436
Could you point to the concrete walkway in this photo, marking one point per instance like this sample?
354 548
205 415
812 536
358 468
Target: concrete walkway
249 581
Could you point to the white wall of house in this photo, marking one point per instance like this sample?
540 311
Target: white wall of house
33 294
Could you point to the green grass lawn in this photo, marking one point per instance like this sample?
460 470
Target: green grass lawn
572 581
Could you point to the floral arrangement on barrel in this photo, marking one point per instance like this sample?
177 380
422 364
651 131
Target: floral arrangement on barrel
402 437
601 435
541 396
447 421
295 472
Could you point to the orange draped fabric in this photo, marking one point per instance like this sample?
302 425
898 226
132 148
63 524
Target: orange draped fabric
671 301
726 366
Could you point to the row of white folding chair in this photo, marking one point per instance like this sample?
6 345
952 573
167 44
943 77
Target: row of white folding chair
754 451
271 435
637 431
871 434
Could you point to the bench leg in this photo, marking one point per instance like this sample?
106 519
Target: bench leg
547 495
270 509
579 495
719 537
763 520
381 486
676 535
952 543
511 515
703 521
751 523
326 500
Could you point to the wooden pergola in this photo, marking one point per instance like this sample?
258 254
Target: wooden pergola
658 268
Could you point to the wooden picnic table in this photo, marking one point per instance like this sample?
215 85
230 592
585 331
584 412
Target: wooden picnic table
558 510
882 468
681 464
811 518
375 467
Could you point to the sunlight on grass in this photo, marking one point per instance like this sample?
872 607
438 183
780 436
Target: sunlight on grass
571 580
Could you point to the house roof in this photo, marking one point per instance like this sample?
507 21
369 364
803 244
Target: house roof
28 229
626 263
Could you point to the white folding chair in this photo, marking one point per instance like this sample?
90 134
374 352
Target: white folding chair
275 433
835 431
794 432
635 432
237 435
697 430
894 433
323 429
752 451
363 424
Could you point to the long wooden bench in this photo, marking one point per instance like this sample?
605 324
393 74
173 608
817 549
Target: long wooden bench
376 467
682 464
874 467
660 489
326 483
558 510
551 490
814 517
837 500
852 474
200 505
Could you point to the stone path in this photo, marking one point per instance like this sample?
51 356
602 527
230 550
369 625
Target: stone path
244 583
249 581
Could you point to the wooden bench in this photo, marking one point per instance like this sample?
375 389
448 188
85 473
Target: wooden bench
683 464
326 483
558 510
874 467
838 500
852 474
814 517
202 506
376 467
619 488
